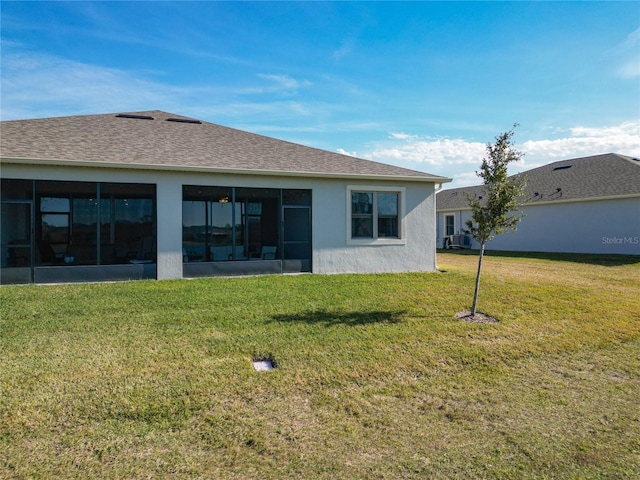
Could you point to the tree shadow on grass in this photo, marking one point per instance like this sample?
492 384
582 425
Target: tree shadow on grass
605 259
329 318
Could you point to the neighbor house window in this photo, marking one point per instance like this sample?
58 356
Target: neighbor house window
374 214
449 225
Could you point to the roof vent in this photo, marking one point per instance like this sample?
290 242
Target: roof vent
562 167
133 115
183 120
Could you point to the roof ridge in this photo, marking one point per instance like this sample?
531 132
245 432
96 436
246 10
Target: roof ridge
633 160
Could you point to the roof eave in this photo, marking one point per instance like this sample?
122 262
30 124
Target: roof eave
233 171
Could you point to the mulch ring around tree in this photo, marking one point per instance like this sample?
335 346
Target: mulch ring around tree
479 317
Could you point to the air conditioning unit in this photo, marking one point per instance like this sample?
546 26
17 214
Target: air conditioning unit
456 241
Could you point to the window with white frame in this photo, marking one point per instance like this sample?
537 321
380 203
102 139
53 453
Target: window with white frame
375 214
449 225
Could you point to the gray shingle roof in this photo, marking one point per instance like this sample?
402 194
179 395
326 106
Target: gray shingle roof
598 176
112 140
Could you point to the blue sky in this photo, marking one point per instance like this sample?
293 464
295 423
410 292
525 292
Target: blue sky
423 85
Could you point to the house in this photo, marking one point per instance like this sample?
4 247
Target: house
581 205
157 195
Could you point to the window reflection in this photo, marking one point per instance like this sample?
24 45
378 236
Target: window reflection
210 224
387 215
374 215
128 226
229 223
362 214
80 223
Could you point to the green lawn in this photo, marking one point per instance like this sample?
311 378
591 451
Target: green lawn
375 377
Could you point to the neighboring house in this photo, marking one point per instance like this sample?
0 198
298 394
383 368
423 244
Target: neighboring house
581 205
157 195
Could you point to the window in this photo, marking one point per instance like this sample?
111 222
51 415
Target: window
375 214
387 215
449 225
362 215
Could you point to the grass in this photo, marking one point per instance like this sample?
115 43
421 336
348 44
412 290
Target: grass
374 379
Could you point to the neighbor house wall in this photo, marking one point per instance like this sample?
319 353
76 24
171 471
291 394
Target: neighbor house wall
606 226
332 252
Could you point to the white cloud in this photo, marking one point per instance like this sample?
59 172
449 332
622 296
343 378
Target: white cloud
402 136
427 150
464 179
342 151
403 148
585 141
454 157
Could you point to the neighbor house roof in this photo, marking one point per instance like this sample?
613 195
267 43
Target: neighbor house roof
588 178
161 140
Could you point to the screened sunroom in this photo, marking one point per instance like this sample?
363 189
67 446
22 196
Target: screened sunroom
56 231
234 230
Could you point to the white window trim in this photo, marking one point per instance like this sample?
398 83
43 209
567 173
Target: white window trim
402 232
455 223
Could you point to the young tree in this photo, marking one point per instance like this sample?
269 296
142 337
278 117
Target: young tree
492 214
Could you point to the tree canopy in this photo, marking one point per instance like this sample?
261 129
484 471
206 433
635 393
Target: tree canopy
493 213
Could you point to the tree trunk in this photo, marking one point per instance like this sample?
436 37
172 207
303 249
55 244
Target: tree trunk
475 294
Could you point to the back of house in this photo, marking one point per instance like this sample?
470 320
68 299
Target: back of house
157 195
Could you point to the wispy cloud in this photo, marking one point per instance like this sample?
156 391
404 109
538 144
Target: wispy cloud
345 50
280 83
630 60
41 85
630 69
632 41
